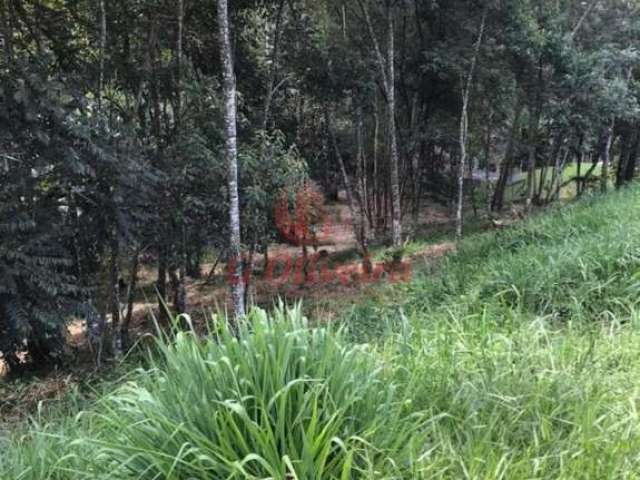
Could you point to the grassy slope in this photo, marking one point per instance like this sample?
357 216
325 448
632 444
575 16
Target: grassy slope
529 344
520 358
518 190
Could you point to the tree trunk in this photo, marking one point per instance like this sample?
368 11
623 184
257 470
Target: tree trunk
461 166
176 277
180 15
555 151
630 167
487 156
606 157
416 151
114 298
580 155
505 172
588 175
625 149
131 293
357 218
103 50
584 16
361 179
273 70
395 175
96 326
464 127
231 152
161 283
415 185
387 74
535 112
377 197
363 174
531 157
556 182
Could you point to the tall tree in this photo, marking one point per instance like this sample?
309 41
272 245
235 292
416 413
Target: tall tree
231 153
388 76
464 126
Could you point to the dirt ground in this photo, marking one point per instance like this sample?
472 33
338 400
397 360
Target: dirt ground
338 271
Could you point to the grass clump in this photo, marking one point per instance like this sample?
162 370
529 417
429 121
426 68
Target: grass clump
279 400
515 399
275 399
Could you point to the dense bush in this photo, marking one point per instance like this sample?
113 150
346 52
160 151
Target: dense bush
37 284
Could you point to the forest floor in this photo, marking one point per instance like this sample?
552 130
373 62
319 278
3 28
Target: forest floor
325 294
322 291
430 239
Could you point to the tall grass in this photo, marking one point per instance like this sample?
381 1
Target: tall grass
274 399
578 263
279 400
519 359
513 399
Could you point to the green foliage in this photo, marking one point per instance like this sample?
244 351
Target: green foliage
570 264
274 399
268 169
35 276
513 398
137 165
68 186
517 361
524 347
278 400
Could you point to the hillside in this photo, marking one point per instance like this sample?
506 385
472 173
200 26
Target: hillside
516 357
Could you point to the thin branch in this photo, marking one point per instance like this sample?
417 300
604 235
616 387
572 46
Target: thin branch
376 46
586 13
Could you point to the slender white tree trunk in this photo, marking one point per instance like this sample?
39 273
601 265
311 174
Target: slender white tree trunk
464 128
461 166
181 293
387 73
395 175
231 152
102 327
103 50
